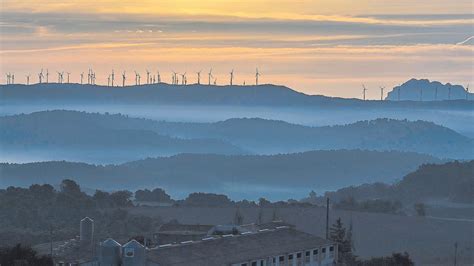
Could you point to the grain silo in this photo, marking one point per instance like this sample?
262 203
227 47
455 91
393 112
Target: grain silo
133 254
110 253
86 231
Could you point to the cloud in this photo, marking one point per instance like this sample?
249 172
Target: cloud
466 41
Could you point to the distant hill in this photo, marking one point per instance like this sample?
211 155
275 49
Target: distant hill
79 136
227 173
80 131
425 90
166 94
452 180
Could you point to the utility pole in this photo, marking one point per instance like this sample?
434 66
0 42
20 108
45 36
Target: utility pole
51 240
455 253
327 218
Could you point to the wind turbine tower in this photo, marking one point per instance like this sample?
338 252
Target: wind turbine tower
381 93
47 75
82 77
147 77
40 76
210 76
123 79
364 91
257 74
231 77
158 77
467 92
28 79
199 77
68 74
113 77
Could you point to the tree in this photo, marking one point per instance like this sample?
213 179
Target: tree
420 209
263 202
121 198
397 259
344 239
275 216
238 217
12 255
70 187
260 216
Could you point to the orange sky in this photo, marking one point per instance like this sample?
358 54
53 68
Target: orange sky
318 47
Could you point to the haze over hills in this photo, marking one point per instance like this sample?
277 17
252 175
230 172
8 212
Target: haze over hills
240 176
70 135
425 90
105 138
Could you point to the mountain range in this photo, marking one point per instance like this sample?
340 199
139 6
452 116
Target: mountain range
107 138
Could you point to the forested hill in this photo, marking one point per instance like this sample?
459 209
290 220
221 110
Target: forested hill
87 131
199 172
452 180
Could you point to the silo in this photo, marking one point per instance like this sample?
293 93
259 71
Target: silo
110 253
86 231
133 254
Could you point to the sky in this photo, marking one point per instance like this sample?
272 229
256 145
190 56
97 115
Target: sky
328 47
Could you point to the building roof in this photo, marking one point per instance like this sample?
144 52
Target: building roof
231 249
174 228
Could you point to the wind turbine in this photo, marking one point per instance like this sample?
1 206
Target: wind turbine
108 80
68 74
210 76
8 78
123 79
257 74
147 77
82 77
363 91
13 78
215 82
231 77
381 93
199 77
158 77
47 75
113 77
28 79
59 77
40 76
175 78
467 92
183 79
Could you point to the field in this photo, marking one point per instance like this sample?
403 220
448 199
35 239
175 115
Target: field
429 241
